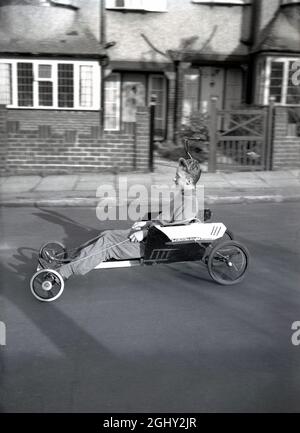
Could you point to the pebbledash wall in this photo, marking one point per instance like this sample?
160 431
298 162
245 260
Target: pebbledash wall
286 149
39 142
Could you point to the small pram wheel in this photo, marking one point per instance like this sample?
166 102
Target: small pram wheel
228 262
53 252
47 285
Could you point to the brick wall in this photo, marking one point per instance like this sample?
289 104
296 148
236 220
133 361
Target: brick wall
286 149
45 142
3 140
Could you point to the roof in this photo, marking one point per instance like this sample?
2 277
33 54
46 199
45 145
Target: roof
39 30
283 33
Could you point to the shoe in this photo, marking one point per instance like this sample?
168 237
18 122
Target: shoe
43 264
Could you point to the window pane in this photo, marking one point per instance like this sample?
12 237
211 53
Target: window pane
65 85
157 88
293 90
45 71
5 84
112 102
86 86
25 84
45 93
276 81
190 95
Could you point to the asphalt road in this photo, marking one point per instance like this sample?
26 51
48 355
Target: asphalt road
152 339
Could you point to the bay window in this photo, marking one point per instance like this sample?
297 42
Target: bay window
280 81
50 84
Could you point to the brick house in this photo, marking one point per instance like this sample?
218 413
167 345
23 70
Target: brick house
87 117
50 93
177 51
186 51
276 54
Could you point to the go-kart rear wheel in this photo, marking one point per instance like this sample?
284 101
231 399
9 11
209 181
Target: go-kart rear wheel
53 252
228 236
228 263
47 285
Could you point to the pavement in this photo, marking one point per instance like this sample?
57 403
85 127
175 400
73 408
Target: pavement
81 189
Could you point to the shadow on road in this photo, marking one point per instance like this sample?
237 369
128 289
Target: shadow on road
74 233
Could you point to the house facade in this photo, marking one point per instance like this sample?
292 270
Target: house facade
80 112
51 102
182 51
187 51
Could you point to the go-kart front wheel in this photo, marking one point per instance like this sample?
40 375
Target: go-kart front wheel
228 262
47 285
53 252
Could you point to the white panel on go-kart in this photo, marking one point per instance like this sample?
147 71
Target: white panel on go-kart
194 232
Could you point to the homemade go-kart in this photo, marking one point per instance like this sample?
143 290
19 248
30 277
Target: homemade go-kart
208 243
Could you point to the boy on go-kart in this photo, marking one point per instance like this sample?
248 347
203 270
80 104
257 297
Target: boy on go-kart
128 244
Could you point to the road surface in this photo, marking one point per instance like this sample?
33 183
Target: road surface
152 339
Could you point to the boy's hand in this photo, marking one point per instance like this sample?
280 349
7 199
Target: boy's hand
139 225
138 236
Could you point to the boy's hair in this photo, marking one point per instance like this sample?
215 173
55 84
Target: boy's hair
192 168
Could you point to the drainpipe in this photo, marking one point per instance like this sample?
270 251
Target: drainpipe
254 30
176 101
102 39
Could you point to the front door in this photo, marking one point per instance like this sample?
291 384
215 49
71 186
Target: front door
211 84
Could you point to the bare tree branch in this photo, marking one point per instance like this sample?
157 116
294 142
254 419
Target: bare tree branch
153 46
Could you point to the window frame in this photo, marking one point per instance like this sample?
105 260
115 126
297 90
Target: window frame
54 64
288 2
284 94
118 117
224 2
145 6
150 91
10 84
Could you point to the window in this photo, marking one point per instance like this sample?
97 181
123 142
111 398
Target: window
124 92
65 85
50 84
281 81
112 102
288 2
145 5
5 84
157 87
45 85
25 84
86 86
221 2
191 93
276 81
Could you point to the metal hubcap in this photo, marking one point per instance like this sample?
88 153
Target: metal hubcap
47 285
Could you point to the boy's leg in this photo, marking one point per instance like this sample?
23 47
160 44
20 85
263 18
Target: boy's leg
106 247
